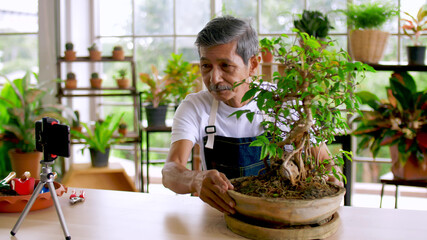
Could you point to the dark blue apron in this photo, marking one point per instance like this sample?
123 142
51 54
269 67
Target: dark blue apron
231 156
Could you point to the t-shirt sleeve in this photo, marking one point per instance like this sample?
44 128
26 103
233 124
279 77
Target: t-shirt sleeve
186 121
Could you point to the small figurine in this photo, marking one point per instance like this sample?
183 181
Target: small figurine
75 199
23 185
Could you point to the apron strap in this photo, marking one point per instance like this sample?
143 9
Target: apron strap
210 130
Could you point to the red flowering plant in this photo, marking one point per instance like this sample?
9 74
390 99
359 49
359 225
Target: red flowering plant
401 120
416 25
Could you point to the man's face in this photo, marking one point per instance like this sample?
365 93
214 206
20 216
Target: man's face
221 67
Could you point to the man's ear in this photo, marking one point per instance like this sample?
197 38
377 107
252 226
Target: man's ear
254 62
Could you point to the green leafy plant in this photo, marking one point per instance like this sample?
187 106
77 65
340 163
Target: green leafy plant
159 87
371 15
118 48
314 23
182 75
101 136
76 119
24 106
69 46
304 107
93 47
401 120
416 25
121 73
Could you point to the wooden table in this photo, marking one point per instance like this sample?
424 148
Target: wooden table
123 215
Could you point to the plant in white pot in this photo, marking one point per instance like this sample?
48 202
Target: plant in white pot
24 105
416 52
305 107
367 40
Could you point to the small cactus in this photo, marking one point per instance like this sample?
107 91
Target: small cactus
69 46
95 75
118 48
93 47
71 75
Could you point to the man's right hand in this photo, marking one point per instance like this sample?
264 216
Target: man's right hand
212 188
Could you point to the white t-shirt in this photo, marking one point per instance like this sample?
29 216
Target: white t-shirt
192 117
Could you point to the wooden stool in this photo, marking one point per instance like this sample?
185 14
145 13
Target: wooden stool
389 178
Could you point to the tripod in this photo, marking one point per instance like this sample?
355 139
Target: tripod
45 177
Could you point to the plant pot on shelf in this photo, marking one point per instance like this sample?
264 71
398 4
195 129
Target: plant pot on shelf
368 45
416 55
22 162
156 117
71 83
95 82
70 55
99 159
94 55
266 55
411 170
123 82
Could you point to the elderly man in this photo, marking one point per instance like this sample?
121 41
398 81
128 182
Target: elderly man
228 50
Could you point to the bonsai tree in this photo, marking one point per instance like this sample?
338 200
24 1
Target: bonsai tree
400 121
69 53
182 75
314 23
303 109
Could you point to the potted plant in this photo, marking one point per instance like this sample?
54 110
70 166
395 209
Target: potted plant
367 41
416 52
182 75
94 53
401 123
95 80
122 80
71 81
314 23
123 128
266 52
24 107
157 96
118 53
76 126
100 138
302 110
69 54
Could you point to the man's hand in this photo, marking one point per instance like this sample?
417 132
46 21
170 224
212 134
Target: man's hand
212 188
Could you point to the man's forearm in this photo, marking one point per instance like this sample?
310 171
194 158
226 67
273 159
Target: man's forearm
180 179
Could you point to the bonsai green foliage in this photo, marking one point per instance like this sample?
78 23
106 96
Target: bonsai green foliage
76 119
314 23
101 136
24 107
69 46
94 75
160 88
183 76
369 15
416 25
118 48
305 103
93 47
71 75
401 120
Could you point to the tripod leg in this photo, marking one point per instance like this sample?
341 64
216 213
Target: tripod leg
27 208
59 210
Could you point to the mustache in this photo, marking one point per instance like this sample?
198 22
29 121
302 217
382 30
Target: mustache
215 88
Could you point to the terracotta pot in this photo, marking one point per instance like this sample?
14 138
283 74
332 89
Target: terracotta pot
368 45
287 211
71 83
22 162
412 170
123 131
70 55
266 55
78 128
95 82
123 83
118 55
94 55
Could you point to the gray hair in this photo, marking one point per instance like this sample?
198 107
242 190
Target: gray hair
223 30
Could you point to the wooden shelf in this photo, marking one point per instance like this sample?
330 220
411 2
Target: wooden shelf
113 177
103 59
